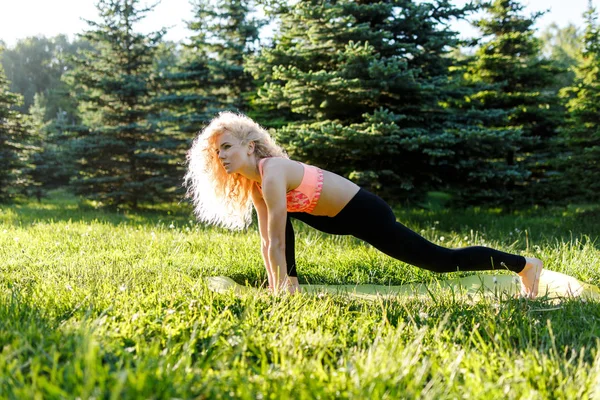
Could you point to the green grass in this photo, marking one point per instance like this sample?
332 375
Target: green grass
98 304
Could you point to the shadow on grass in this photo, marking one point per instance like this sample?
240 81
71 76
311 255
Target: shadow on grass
524 227
64 207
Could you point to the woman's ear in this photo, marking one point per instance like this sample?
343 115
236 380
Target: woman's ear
250 148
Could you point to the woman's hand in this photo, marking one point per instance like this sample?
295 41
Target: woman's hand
289 286
293 289
270 204
293 285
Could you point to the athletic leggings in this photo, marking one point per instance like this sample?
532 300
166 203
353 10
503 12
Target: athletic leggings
369 218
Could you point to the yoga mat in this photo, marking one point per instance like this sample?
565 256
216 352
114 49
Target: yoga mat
553 286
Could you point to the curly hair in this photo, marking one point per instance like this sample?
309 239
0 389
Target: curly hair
220 198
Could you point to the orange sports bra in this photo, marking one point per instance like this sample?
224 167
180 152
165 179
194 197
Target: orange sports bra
305 197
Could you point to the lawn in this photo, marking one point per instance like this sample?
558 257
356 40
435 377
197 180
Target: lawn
113 304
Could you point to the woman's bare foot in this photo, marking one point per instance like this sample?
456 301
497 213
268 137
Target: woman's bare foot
530 277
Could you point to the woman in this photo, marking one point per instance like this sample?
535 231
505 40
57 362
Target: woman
234 164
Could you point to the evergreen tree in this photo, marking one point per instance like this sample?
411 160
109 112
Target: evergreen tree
52 163
368 89
516 81
210 76
14 141
582 177
510 61
124 157
35 66
226 32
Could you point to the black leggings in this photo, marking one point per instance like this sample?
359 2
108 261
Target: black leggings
369 218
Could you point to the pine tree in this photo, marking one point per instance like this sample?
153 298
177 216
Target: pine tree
582 177
35 66
124 157
368 89
14 141
51 163
517 81
511 60
210 76
226 32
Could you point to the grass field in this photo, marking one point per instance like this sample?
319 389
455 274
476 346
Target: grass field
98 304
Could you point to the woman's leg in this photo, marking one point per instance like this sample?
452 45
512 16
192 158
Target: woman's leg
290 249
323 224
377 225
369 218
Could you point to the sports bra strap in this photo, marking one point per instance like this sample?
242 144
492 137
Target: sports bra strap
260 166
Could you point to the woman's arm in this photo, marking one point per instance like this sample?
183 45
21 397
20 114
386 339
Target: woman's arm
261 211
274 195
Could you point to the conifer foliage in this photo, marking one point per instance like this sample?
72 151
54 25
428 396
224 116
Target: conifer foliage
227 32
378 91
509 61
13 140
210 75
582 176
514 83
367 83
123 157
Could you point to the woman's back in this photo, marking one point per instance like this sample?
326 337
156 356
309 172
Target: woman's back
336 190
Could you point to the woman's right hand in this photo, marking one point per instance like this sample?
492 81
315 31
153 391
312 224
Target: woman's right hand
290 286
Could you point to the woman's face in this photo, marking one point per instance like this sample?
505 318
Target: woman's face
231 153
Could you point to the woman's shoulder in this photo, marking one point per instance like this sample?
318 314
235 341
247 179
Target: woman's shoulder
274 163
280 168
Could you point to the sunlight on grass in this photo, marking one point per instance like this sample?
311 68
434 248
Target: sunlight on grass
107 304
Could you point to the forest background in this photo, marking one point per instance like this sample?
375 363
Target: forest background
101 300
382 92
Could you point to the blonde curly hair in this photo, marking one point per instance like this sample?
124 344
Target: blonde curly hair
220 198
